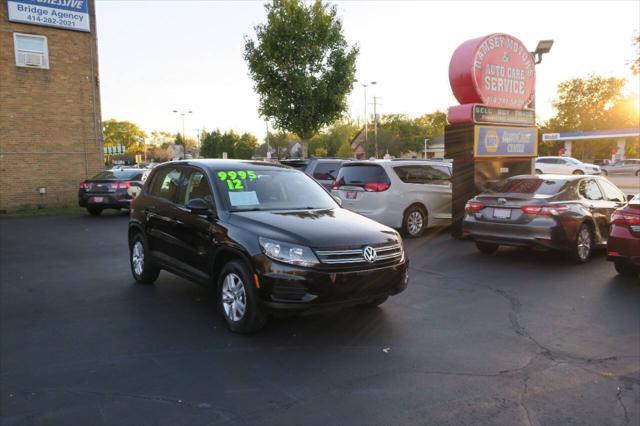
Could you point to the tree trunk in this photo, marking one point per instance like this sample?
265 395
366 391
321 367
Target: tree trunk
305 148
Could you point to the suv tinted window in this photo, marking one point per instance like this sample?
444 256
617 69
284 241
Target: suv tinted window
361 174
197 186
422 174
530 186
166 183
326 170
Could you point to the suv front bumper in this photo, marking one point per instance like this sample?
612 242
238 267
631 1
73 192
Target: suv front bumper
289 288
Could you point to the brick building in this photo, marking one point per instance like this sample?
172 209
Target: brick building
50 124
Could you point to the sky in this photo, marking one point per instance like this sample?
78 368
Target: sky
158 56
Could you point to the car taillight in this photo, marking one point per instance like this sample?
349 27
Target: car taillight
84 185
376 186
545 210
474 206
121 185
336 183
625 218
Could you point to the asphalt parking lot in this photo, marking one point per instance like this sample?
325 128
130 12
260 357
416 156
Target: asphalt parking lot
518 338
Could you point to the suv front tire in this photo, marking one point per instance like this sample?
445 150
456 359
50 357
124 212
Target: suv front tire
238 299
144 272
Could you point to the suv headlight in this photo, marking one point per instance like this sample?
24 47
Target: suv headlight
288 253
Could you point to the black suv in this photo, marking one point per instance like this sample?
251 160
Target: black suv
264 237
324 170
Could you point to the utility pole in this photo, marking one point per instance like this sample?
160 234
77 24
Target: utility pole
266 124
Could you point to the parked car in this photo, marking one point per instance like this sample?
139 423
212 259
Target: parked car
565 166
629 166
324 170
623 245
110 189
410 195
560 212
263 237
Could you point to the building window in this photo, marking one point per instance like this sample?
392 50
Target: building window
31 51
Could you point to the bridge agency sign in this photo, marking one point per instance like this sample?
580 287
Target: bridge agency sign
66 14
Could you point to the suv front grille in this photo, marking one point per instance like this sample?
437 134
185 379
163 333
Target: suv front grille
385 254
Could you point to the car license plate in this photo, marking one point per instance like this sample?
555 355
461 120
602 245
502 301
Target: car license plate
97 199
502 213
351 195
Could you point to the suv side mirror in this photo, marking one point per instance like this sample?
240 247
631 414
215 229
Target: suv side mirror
198 206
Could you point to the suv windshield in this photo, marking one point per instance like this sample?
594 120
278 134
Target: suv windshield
274 189
530 186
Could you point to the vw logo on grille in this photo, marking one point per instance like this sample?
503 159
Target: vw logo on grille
369 254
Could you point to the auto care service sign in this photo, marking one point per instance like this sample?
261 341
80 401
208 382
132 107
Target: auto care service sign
496 70
500 141
65 14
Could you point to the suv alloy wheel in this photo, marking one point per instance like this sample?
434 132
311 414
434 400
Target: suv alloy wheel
141 267
238 299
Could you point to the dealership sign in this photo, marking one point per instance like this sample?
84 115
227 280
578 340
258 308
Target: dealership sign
499 141
496 70
66 14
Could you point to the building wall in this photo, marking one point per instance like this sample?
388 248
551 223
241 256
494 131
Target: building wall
50 123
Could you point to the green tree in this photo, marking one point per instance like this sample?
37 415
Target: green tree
344 151
211 143
301 66
320 152
634 64
246 146
122 133
179 139
591 103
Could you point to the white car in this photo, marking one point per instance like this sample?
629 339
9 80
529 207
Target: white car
565 166
410 195
629 166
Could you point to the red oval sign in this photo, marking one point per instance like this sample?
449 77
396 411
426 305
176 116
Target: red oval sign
496 70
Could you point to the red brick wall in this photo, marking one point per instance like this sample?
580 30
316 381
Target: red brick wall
50 124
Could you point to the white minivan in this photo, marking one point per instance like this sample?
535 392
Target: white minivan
410 195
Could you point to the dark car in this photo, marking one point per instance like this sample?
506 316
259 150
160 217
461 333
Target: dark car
324 170
110 189
560 212
263 237
623 246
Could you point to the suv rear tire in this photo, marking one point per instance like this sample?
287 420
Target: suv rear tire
94 211
538 171
625 269
143 270
238 299
414 222
487 248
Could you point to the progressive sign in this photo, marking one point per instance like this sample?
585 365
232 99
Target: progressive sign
66 14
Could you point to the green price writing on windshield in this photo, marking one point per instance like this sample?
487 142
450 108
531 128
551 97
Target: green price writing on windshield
234 178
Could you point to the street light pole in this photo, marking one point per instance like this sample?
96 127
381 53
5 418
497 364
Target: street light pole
366 127
425 148
544 46
184 137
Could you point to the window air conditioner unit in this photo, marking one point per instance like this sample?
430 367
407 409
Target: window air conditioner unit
33 60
